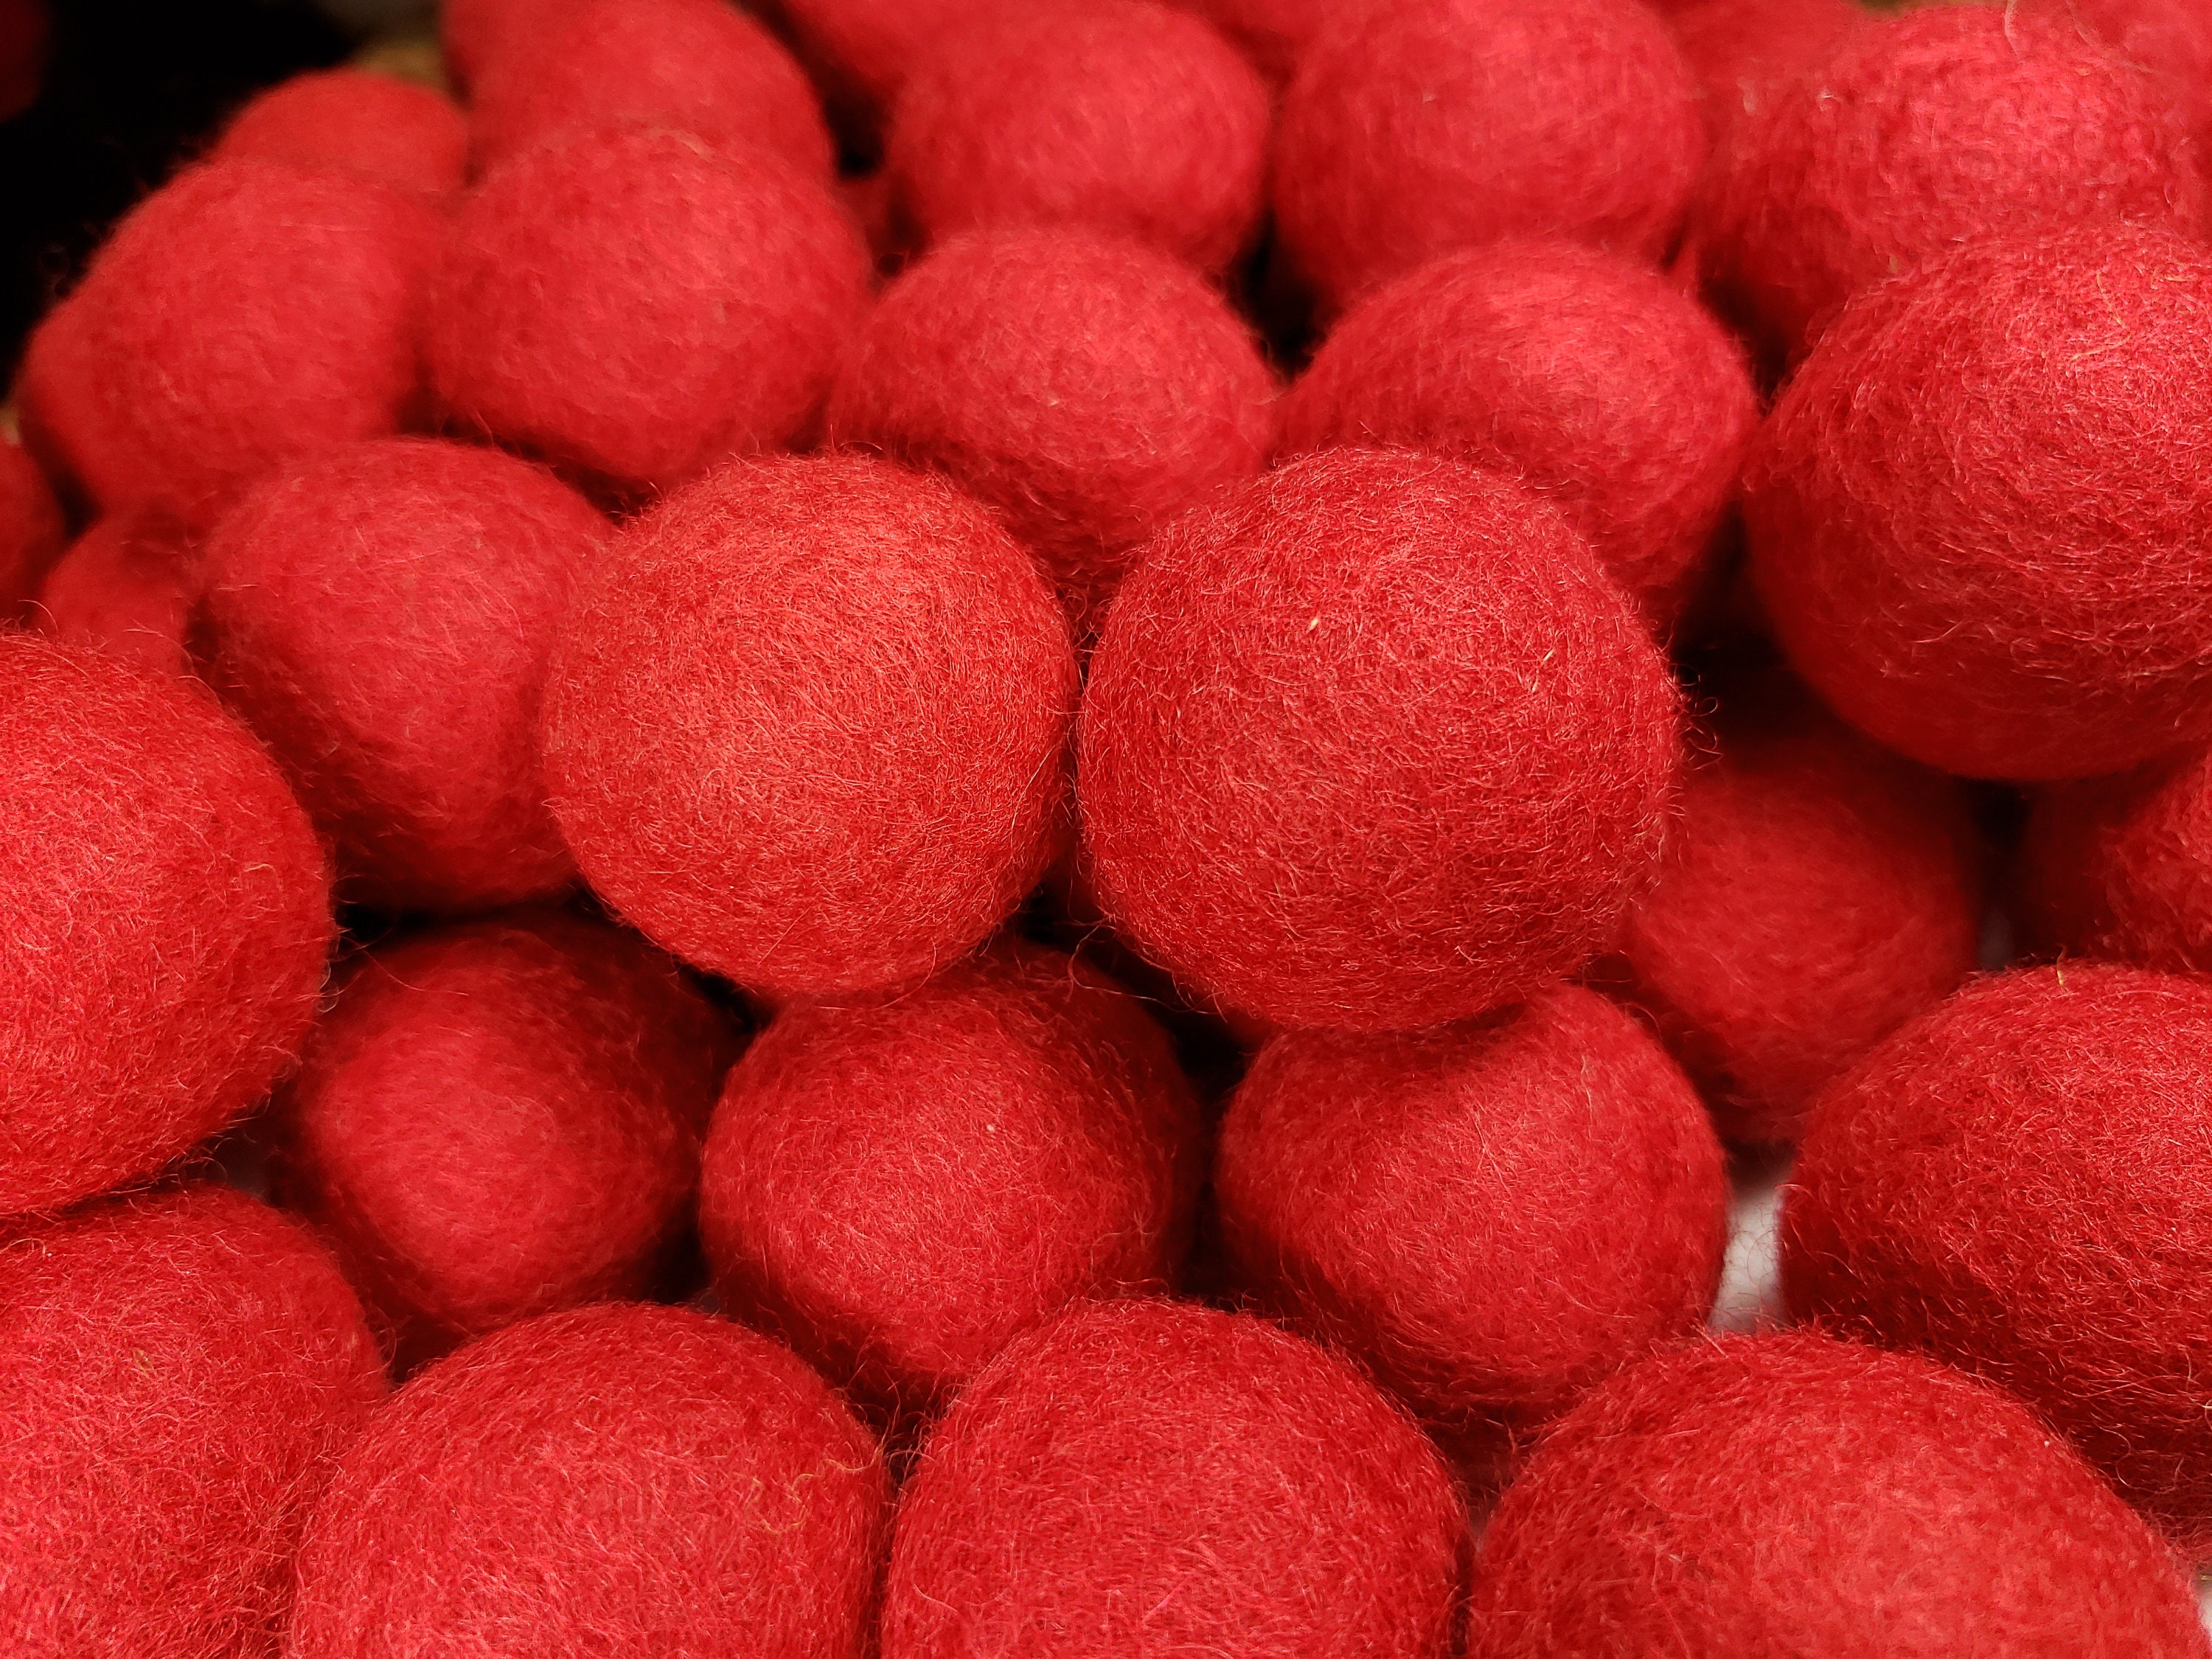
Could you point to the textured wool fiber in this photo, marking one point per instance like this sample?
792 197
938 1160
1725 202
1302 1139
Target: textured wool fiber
410 138
1743 52
862 51
808 724
1155 1477
1979 516
59 412
622 1481
127 587
1767 1498
637 306
1120 115
2122 867
178 1374
1088 389
1373 742
382 615
1274 33
1429 125
2170 38
476 33
167 921
31 527
1596 382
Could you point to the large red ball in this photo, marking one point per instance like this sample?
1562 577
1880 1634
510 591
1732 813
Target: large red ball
2122 867
1155 1477
31 527
129 586
408 136
476 33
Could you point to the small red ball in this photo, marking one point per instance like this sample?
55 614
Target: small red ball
129 586
2122 867
410 138
31 527
1745 52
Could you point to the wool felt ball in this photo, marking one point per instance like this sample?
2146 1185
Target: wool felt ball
2170 38
1154 1476
1120 115
2122 867
1982 533
476 33
1086 388
168 919
636 307
1595 381
1790 1494
410 138
861 51
1429 125
625 1481
1373 742
58 413
1274 33
31 526
806 725
178 1374
129 586
1743 52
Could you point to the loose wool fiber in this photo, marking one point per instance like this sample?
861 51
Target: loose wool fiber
127 587
1595 381
167 920
1982 531
808 724
178 1373
31 526
2122 867
1744 52
1429 125
382 615
1086 388
1490 1216
1373 742
410 138
1152 1476
1120 115
1770 1497
623 1481
636 306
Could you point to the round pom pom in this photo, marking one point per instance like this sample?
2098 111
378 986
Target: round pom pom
1087 389
382 615
1982 531
1431 126
1150 1476
411 137
127 587
1596 382
1744 52
2171 39
808 724
1792 1494
178 1374
638 308
2122 867
167 921
1491 1216
1373 744
31 528
622 1481
1120 115
1274 34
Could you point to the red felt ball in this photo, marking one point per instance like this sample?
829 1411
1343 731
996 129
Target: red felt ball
2122 867
167 921
476 34
178 1374
409 137
1088 389
382 616
862 51
1788 1494
1429 125
1744 52
2014 1182
1374 743
129 585
1156 1477
1120 115
808 724
1596 382
623 1481
31 527
58 411
636 307
1274 34
1981 530
2170 38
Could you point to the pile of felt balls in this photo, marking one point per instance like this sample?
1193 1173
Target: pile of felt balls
988 829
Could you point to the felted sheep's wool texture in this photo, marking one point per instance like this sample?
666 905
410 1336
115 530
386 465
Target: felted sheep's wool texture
1774 1496
1983 532
168 919
1429 125
1124 116
1086 388
31 526
474 35
637 306
900 1185
862 51
500 1118
1157 1477
1593 381
58 413
1490 1216
2170 38
1743 52
382 615
2013 1183
410 138
178 1374
1274 34
128 586
1373 742
623 1481
2122 867
808 724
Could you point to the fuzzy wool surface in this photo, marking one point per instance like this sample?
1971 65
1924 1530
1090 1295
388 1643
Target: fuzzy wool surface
622 1481
2122 867
1155 1477
129 586
1744 52
474 35
1274 33
861 51
2172 40
60 422
31 526
410 138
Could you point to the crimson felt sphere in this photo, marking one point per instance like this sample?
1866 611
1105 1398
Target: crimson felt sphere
1744 52
59 418
808 724
2170 38
623 1481
168 918
127 587
31 527
863 50
1152 1476
396 133
2122 867
1373 742
1789 1494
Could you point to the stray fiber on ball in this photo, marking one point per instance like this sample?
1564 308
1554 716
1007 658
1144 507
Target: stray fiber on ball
129 586
410 138
2122 867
